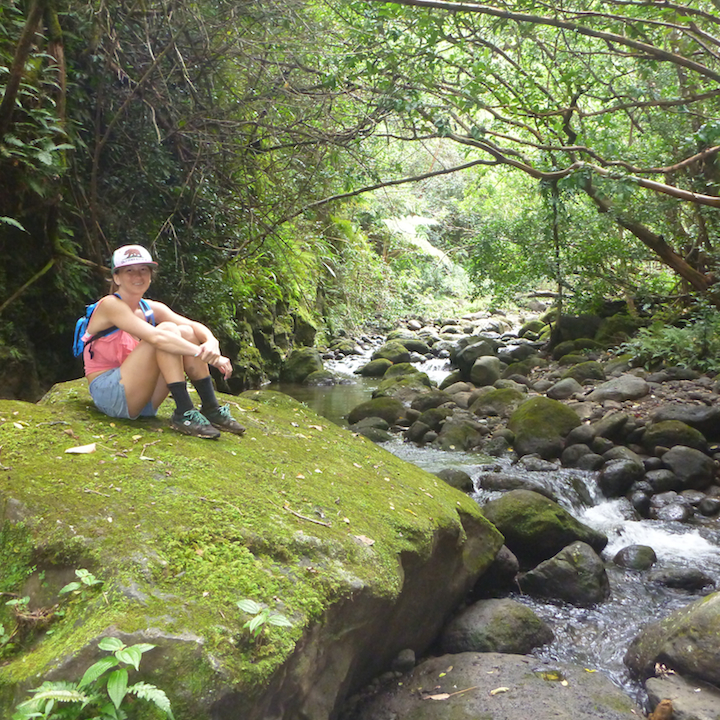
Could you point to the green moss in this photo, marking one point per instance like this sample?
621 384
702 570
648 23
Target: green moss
194 525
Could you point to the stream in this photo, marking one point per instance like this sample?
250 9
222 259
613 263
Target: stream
595 637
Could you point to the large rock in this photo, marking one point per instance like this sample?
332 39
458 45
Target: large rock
460 431
394 351
486 370
388 409
496 625
694 469
625 387
668 433
576 575
691 700
498 401
686 641
299 515
540 426
299 364
496 686
705 418
536 528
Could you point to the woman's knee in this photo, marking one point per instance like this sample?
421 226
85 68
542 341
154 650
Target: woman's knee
172 327
187 333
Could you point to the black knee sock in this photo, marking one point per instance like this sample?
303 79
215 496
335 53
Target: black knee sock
206 391
181 396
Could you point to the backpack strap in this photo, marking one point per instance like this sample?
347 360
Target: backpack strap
144 306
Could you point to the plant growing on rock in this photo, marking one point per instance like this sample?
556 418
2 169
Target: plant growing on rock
103 692
262 617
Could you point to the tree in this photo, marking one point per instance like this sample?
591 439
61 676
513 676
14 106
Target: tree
614 97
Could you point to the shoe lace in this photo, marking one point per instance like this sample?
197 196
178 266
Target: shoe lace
195 416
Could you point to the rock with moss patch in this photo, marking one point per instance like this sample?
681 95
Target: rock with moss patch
431 399
400 369
456 478
299 364
668 433
403 387
388 409
617 329
321 378
394 351
588 370
540 426
536 528
374 368
486 370
460 431
498 401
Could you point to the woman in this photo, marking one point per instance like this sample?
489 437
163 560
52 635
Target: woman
131 370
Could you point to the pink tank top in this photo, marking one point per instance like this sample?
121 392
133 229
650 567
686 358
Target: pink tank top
108 352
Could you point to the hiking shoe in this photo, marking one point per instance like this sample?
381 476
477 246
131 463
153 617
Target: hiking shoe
221 418
193 422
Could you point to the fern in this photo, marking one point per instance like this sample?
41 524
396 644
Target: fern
146 691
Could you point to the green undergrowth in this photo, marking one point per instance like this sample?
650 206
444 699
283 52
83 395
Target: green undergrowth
294 515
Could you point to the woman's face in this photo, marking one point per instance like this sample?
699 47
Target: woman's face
134 277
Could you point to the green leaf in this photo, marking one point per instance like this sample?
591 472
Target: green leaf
256 622
152 694
11 221
249 606
96 670
279 620
130 656
70 587
111 644
117 686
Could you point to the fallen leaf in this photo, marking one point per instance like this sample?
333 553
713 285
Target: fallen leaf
300 476
18 425
564 683
82 449
364 539
136 437
294 424
316 427
439 696
357 466
589 670
499 690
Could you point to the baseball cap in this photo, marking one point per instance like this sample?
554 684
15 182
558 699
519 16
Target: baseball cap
131 255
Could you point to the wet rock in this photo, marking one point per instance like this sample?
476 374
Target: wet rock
694 469
495 625
617 476
299 364
669 433
685 641
534 463
403 387
709 506
540 425
682 578
499 577
375 368
590 462
431 399
322 378
416 432
508 481
691 699
704 418
662 480
625 387
620 452
376 435
677 512
404 662
636 557
536 528
582 434
641 503
394 351
576 575
611 426
534 691
466 357
388 409
456 478
460 431
573 453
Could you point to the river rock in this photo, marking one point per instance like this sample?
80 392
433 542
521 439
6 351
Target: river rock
564 389
662 480
394 351
434 417
498 401
388 409
499 578
625 387
431 399
668 433
322 378
465 357
299 364
682 578
540 426
576 575
705 418
590 370
636 557
536 528
501 687
486 370
404 387
694 469
582 434
456 478
515 481
617 476
686 641
461 431
495 625
691 699
374 368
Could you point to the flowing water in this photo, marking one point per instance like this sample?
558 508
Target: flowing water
596 637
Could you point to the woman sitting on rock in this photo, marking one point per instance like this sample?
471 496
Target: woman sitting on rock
132 359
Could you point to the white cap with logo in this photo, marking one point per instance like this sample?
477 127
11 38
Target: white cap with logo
131 255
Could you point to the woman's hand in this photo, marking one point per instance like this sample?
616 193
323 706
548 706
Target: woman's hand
224 365
209 352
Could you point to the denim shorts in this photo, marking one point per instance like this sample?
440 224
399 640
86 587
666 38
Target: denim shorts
108 394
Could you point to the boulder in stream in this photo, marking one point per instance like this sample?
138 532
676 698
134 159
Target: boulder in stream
540 425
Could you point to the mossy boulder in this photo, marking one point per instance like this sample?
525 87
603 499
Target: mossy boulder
375 368
572 358
498 401
394 351
486 370
537 528
299 515
431 399
668 433
404 387
299 364
686 641
540 425
388 409
400 369
616 329
588 370
532 327
460 431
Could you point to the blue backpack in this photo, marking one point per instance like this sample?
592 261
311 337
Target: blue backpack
79 343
